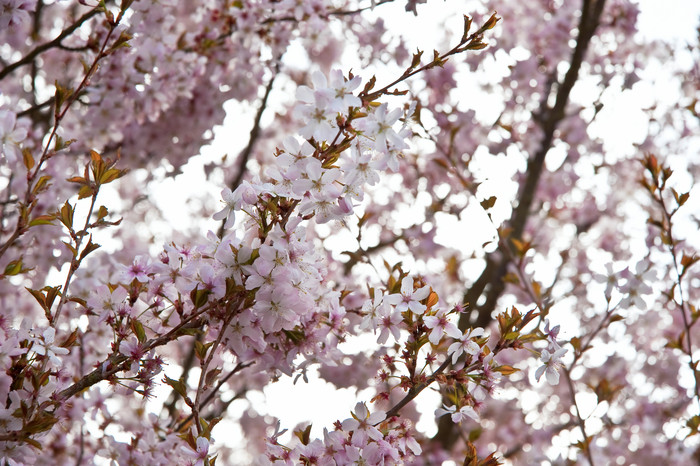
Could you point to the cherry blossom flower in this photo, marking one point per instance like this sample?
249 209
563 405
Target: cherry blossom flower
551 365
212 281
408 299
379 126
341 91
200 455
440 324
362 424
138 270
44 346
14 13
552 334
233 201
11 135
9 348
132 349
319 117
105 301
371 310
457 416
389 320
361 168
637 285
610 278
464 342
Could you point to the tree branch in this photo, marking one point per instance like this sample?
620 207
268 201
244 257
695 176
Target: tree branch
549 118
491 279
254 135
29 58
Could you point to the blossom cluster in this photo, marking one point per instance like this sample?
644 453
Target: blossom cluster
90 340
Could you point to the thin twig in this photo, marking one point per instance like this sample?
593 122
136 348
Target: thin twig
416 389
210 396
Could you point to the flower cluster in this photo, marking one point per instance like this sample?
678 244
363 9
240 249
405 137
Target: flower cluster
105 310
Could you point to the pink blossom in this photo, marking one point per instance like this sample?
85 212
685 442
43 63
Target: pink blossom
458 416
44 346
551 364
439 324
464 343
11 134
201 454
362 424
408 299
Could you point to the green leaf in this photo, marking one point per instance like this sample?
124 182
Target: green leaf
66 214
13 268
177 385
138 330
46 219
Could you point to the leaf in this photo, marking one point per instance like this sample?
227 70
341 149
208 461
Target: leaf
537 288
486 204
211 376
491 23
694 424
507 370
199 297
304 435
370 84
85 191
467 26
432 299
110 175
71 340
41 423
46 219
416 59
13 268
28 159
89 248
51 292
138 330
60 96
474 434
39 296
41 185
70 248
521 247
65 215
177 385
576 343
470 458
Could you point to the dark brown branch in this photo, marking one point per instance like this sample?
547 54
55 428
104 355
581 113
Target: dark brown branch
549 119
118 362
29 58
254 135
35 108
491 281
337 12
